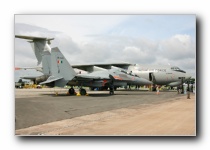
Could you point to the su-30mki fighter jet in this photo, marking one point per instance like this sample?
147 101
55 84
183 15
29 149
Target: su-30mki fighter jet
63 74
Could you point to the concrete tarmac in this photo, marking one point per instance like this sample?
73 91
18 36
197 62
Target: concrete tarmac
46 108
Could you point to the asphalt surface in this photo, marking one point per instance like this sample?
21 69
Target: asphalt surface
45 108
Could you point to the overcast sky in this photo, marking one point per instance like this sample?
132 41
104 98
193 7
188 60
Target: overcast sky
142 39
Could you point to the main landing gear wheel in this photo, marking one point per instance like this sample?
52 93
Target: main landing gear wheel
83 92
111 88
111 91
71 91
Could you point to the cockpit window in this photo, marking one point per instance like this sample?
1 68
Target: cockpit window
123 71
177 69
128 73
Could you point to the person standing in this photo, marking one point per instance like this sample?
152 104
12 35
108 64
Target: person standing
157 89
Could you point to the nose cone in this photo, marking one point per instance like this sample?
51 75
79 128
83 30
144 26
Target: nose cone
143 81
187 76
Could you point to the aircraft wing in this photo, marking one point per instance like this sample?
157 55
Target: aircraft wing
89 67
51 79
26 68
33 37
86 67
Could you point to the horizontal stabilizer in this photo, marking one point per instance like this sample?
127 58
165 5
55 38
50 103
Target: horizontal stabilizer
27 68
33 37
51 79
39 45
29 77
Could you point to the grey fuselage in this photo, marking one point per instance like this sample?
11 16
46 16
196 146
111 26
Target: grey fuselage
118 78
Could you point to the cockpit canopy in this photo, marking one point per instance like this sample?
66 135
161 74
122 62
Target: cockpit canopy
129 73
174 68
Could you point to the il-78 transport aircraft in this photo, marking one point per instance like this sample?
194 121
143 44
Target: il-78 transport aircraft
158 74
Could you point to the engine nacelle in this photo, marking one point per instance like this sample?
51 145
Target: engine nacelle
172 84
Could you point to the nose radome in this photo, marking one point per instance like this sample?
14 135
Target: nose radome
187 76
146 82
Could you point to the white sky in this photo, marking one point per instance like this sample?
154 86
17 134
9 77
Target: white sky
75 26
142 39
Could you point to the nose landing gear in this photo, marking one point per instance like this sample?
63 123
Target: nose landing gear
111 88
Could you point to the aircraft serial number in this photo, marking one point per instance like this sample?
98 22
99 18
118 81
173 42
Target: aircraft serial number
60 57
153 70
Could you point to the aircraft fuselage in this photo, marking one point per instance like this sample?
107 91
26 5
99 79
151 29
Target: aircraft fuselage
161 75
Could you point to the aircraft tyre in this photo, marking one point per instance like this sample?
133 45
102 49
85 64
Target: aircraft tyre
111 91
71 91
83 92
111 88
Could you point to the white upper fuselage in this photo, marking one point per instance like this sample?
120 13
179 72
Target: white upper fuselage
160 74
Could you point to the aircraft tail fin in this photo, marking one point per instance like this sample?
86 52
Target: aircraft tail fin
60 66
39 45
46 63
61 70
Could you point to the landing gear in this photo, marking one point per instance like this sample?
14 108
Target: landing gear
71 91
111 88
82 91
129 87
154 87
111 91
